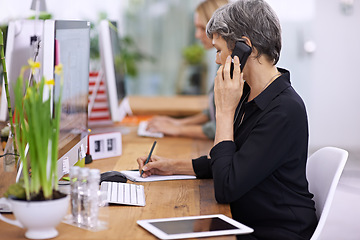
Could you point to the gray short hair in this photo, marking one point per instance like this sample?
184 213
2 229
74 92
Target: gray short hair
254 19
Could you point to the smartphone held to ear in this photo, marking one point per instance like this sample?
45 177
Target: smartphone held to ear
243 51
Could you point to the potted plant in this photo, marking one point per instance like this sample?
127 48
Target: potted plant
194 54
36 202
193 70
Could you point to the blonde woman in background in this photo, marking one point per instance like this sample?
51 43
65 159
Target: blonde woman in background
201 125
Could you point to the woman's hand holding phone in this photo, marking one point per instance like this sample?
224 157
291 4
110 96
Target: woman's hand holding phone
243 51
228 91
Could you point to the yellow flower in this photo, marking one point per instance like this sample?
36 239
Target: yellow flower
28 93
50 82
33 65
58 69
23 68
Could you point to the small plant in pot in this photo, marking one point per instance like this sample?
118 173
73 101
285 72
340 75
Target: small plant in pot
194 69
36 202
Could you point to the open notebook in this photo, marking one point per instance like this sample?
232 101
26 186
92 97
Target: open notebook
135 177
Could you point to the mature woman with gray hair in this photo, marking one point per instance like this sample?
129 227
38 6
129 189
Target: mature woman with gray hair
260 149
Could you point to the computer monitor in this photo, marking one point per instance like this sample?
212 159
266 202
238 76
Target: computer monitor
109 44
68 43
20 48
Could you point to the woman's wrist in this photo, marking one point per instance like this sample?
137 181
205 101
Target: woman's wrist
225 111
199 118
181 121
224 127
224 116
183 166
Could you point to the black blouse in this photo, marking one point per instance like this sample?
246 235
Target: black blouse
262 172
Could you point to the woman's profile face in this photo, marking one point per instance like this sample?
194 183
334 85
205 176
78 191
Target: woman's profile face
222 51
200 31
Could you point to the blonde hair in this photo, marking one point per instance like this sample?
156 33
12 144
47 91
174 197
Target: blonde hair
206 8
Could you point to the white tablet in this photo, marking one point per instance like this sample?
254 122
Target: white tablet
194 227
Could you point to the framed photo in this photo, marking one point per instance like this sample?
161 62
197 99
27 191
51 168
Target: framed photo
105 145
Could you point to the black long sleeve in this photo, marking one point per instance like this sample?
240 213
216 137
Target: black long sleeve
262 172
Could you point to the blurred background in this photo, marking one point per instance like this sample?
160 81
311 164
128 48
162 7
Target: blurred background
320 48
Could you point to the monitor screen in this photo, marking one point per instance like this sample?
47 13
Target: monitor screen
111 65
68 43
72 51
119 75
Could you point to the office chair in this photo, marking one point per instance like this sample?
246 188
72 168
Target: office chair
323 172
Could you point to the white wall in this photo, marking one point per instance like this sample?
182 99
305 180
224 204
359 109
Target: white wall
334 108
62 9
328 79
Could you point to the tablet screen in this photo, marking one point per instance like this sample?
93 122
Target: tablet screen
194 225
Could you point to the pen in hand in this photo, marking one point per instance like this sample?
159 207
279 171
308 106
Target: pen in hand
148 158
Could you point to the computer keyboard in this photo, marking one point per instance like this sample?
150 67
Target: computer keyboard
124 193
144 133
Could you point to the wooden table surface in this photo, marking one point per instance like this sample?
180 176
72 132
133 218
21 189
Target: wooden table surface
163 199
176 106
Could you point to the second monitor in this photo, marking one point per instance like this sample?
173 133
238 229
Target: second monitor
114 76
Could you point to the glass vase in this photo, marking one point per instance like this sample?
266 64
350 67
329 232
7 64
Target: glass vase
9 155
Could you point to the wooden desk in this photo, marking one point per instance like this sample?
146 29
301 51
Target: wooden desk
177 106
163 199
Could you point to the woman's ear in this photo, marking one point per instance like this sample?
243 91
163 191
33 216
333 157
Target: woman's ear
247 40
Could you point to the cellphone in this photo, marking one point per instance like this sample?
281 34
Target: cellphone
243 51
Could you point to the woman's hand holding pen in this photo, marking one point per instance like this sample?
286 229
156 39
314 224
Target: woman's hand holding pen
165 166
156 166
